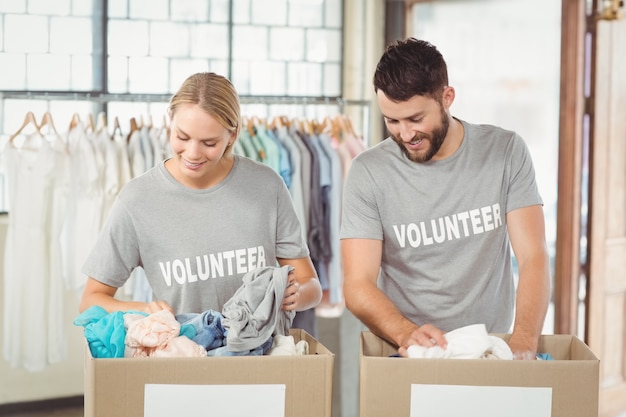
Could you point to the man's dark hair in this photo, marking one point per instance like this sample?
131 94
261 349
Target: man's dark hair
409 68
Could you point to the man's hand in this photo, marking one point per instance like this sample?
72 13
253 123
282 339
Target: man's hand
427 336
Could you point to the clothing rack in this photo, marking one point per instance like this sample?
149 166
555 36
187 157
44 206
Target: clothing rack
158 98
104 98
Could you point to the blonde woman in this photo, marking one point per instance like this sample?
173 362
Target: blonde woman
199 221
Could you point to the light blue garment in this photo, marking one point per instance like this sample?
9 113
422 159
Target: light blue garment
285 168
105 332
271 148
296 188
544 357
210 333
334 200
245 140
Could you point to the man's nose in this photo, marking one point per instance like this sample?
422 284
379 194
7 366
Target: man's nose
406 131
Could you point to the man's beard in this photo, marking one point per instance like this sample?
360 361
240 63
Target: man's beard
435 138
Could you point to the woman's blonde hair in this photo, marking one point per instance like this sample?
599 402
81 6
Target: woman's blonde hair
215 94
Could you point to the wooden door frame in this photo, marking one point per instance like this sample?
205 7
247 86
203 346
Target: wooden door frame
567 267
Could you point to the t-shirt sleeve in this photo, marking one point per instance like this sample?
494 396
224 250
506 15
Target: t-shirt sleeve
360 214
115 253
523 191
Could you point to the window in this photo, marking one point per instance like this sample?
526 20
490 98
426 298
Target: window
73 56
511 80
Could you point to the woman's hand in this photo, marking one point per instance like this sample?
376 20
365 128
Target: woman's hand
292 294
156 306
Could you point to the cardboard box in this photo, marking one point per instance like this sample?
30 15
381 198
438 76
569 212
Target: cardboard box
116 387
386 382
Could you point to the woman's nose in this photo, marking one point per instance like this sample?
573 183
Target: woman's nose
193 149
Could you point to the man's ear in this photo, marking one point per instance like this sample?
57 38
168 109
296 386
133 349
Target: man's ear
448 96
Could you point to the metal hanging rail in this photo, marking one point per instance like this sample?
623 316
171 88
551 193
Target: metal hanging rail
159 98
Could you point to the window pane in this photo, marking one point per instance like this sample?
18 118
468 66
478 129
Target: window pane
241 11
304 79
209 41
118 9
56 7
148 75
25 33
269 12
306 13
13 6
169 39
190 10
82 73
250 42
118 74
334 13
219 11
120 31
332 80
180 69
323 45
13 71
82 7
149 9
71 35
267 78
218 66
287 44
241 77
59 65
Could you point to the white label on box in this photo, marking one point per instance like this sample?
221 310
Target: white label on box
476 401
259 400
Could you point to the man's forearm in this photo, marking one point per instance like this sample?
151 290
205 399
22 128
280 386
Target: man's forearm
533 297
372 307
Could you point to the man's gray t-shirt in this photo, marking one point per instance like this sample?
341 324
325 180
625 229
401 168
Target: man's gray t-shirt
446 254
196 245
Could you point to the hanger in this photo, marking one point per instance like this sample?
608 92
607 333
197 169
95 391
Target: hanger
75 121
333 127
28 119
318 127
133 128
116 127
276 122
305 126
47 120
133 125
250 125
101 123
348 125
91 124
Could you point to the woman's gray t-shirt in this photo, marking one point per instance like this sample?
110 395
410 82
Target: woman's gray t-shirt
196 245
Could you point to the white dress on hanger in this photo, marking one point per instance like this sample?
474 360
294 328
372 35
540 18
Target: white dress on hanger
34 331
85 205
